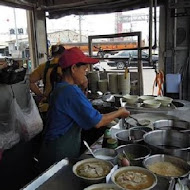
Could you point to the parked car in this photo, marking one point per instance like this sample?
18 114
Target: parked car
130 58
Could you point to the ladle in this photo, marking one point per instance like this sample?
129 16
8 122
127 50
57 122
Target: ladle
86 144
143 122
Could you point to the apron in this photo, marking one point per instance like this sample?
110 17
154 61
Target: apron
66 145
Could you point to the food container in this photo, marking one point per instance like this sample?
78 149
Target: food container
160 158
168 167
184 154
136 153
166 141
165 101
149 177
146 97
106 154
130 136
103 166
172 124
151 104
104 186
131 99
144 128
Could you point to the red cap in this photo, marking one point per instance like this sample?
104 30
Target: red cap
73 56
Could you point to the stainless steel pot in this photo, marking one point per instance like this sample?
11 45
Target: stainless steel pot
130 136
166 141
135 152
179 125
184 154
106 154
172 159
146 129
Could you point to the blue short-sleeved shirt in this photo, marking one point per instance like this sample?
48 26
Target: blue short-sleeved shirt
69 106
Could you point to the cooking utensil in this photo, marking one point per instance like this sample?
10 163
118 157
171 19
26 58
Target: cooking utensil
102 186
174 124
136 153
144 128
143 122
106 154
135 169
167 141
136 136
167 158
91 180
184 154
90 150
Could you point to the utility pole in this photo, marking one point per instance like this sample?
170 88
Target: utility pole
16 32
80 30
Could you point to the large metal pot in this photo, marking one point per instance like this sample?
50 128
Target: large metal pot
171 159
179 125
166 141
130 136
184 154
135 152
146 129
167 158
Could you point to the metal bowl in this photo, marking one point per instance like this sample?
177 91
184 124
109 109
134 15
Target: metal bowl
135 152
104 186
89 180
184 154
122 170
171 124
166 141
167 158
106 154
144 128
135 134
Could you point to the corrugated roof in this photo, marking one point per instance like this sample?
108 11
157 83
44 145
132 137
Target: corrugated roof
59 8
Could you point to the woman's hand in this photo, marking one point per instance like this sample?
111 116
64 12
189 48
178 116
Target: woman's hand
123 112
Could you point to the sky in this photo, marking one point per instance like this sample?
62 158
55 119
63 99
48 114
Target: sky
91 24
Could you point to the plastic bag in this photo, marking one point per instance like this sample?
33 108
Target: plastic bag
8 136
29 122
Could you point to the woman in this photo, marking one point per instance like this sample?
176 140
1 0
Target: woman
70 111
42 72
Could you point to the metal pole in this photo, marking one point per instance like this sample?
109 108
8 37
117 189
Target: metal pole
16 32
80 33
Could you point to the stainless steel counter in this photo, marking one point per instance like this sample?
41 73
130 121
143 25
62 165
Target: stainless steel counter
61 177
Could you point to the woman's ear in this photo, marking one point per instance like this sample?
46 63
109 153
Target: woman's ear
73 68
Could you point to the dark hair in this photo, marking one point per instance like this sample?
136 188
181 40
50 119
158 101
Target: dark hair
55 77
80 64
57 50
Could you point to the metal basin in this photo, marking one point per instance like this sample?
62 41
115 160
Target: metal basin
167 158
179 125
146 129
184 154
166 141
136 136
135 152
106 154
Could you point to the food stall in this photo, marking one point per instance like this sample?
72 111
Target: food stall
61 175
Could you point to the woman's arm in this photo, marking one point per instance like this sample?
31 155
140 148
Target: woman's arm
35 77
107 118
